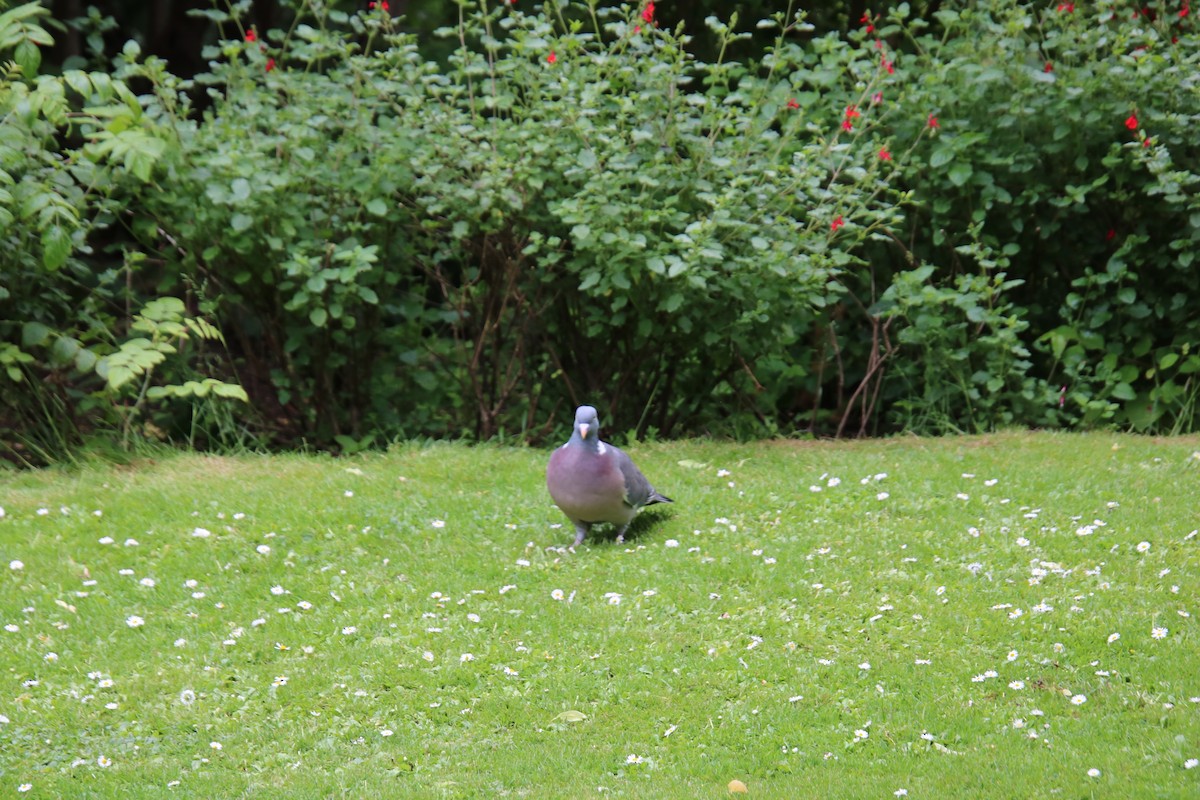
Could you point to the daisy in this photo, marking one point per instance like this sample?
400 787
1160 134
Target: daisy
1158 632
134 621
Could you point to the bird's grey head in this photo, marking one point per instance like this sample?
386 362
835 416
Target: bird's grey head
587 424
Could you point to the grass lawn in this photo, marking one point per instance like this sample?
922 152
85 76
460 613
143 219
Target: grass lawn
1001 616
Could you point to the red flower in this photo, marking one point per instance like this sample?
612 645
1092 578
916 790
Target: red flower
884 155
877 98
1131 122
251 36
637 29
1049 67
270 64
1112 234
792 104
932 122
1183 12
847 125
383 5
648 13
1067 7
866 20
550 59
852 112
838 222
887 65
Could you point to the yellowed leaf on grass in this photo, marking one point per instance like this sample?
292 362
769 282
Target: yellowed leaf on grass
571 716
737 787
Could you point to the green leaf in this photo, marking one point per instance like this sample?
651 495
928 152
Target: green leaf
29 57
34 334
64 349
230 390
85 360
941 157
240 189
571 716
1123 391
56 246
118 375
241 222
377 207
960 173
318 317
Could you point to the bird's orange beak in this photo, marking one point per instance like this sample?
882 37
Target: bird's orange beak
583 429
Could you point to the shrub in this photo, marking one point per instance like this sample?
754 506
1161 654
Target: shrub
74 147
984 218
1066 164
562 214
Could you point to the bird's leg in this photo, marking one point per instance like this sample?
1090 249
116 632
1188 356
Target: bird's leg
581 531
621 534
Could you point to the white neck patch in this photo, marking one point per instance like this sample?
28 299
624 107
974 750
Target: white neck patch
603 449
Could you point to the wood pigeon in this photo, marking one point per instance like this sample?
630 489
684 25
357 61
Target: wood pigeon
594 482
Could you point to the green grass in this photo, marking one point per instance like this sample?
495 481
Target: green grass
748 613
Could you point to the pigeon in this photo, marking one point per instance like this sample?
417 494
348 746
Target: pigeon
594 482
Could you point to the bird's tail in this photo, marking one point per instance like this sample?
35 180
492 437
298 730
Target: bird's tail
655 497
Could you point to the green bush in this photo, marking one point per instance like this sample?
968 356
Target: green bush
74 149
562 214
981 219
1066 160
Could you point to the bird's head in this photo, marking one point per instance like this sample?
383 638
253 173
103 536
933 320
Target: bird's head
587 423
